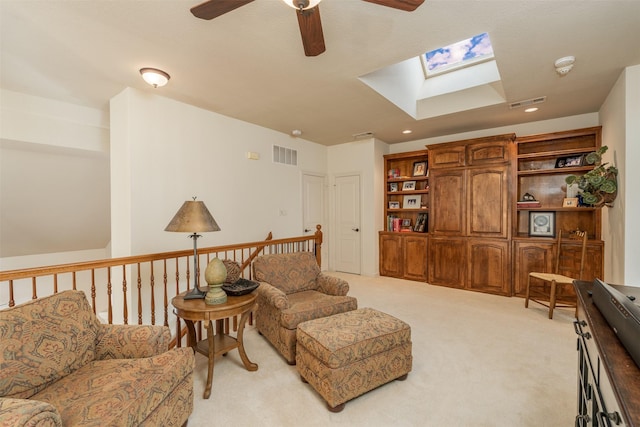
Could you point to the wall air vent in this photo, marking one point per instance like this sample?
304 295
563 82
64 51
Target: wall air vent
286 156
527 102
362 135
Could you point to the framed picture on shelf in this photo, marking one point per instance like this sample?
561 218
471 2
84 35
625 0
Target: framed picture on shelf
570 161
394 205
421 223
408 185
406 224
411 202
570 202
393 186
420 168
542 224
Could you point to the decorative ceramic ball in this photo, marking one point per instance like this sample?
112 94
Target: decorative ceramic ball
216 272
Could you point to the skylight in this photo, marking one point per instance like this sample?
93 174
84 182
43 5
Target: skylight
457 55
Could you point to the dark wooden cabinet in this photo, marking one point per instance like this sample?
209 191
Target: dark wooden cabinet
539 255
536 173
403 247
469 215
447 261
405 255
478 235
489 266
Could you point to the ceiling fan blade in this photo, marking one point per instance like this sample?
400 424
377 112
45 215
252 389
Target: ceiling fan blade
214 8
407 5
311 31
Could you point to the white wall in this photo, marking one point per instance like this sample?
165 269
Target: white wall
621 133
165 152
363 158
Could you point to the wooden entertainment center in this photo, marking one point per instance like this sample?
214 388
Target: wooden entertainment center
476 235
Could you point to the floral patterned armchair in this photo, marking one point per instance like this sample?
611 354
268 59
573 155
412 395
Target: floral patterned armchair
293 290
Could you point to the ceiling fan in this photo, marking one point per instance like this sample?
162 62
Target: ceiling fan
308 13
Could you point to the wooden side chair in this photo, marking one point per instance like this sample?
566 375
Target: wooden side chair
565 260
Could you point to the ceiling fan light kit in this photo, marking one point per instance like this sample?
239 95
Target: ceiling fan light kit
308 12
302 4
153 76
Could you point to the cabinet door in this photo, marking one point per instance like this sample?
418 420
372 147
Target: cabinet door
489 266
447 262
489 152
530 256
448 203
488 202
447 156
390 255
415 257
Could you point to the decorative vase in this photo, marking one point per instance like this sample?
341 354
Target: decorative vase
215 275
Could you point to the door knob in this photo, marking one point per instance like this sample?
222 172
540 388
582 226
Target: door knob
306 230
356 229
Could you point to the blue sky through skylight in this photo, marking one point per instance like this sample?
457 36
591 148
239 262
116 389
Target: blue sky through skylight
458 54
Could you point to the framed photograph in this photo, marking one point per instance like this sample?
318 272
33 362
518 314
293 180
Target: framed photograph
406 223
570 202
542 224
570 161
411 202
394 205
421 223
408 185
393 186
420 168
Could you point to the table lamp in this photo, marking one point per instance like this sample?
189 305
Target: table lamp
193 217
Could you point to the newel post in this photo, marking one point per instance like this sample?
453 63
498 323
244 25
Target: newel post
318 245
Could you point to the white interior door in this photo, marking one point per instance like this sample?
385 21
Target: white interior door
313 209
348 241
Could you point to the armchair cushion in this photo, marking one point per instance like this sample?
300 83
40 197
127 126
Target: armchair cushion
293 272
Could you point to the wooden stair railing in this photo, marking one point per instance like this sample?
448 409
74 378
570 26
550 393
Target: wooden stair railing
114 286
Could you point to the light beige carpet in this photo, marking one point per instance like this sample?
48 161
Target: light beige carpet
478 360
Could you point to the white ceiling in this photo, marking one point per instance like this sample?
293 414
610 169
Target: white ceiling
249 63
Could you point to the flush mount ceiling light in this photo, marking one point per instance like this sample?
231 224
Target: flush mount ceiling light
407 131
564 65
155 77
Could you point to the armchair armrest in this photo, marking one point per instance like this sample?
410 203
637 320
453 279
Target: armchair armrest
331 285
272 296
28 413
131 341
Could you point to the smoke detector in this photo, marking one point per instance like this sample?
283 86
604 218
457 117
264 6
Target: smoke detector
564 65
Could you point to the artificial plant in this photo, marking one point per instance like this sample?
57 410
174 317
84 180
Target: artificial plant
599 186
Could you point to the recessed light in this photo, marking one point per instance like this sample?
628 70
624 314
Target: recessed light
531 109
407 131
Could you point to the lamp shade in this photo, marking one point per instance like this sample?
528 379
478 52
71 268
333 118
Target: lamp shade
192 217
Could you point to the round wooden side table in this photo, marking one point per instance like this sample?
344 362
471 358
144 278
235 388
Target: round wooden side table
195 310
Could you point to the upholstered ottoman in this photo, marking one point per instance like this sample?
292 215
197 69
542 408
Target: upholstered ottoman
348 354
